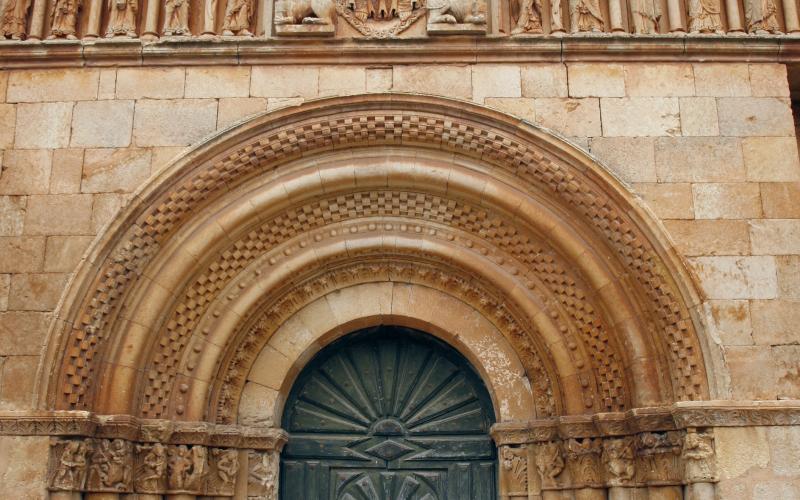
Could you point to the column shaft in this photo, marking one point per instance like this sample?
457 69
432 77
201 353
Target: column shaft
790 16
615 16
38 20
94 12
734 18
675 16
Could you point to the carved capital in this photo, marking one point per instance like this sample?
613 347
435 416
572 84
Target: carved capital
658 458
619 461
262 475
584 462
549 463
699 457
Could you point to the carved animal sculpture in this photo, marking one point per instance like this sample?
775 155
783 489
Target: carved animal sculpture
304 12
455 12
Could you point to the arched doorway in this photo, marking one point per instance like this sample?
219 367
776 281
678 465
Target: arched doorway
388 413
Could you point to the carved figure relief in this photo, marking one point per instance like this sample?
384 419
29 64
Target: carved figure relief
454 13
549 463
380 18
583 459
515 470
704 16
618 459
122 18
761 16
646 15
262 478
659 454
529 17
238 18
110 466
64 18
70 468
186 468
305 12
586 16
151 473
224 467
15 18
176 18
698 456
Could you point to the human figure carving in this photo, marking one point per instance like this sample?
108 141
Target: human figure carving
64 18
153 469
71 468
227 466
698 454
646 15
176 18
530 17
262 478
515 465
122 18
110 467
619 460
762 16
238 17
586 15
456 12
704 17
304 12
15 18
549 463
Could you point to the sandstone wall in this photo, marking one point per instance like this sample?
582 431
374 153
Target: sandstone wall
710 148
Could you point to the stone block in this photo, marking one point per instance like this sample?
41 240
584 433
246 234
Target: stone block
150 83
722 79
659 80
173 123
570 117
23 466
522 107
631 158
699 159
379 79
732 321
544 80
43 125
36 292
641 116
699 116
753 372
217 81
771 159
23 332
63 253
5 288
772 490
787 371
51 85
780 200
342 80
449 80
115 170
104 209
769 80
755 116
284 81
789 276
775 236
274 103
596 80
733 200
270 368
8 120
97 124
733 278
12 215
21 254
17 384
710 237
257 406
234 109
25 172
784 445
3 85
107 88
59 214
740 449
162 157
495 80
667 201
65 176
775 321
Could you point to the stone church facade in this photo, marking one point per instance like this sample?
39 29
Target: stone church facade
399 250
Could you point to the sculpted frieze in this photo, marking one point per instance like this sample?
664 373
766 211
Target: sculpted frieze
110 466
15 18
456 16
64 19
584 463
619 461
262 475
549 463
151 468
704 16
698 457
122 18
514 470
223 469
238 18
68 465
176 18
761 16
658 457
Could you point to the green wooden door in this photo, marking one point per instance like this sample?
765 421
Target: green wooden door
388 414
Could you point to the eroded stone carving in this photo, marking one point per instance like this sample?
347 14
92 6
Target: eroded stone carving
583 461
238 18
314 15
122 18
64 18
262 476
186 468
176 18
659 454
698 456
549 463
529 17
222 471
646 15
70 466
704 16
110 466
515 470
618 458
15 18
151 470
586 16
456 16
761 16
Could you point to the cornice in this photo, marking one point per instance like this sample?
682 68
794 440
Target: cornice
454 50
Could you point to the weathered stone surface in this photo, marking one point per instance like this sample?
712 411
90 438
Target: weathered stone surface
544 80
284 81
596 80
107 88
36 292
699 116
51 85
775 236
787 371
12 215
234 109
59 214
150 83
780 200
379 79
63 253
162 157
270 368
16 387
274 103
25 172
102 124
789 276
733 200
217 81
732 321
771 159
5 288
731 277
570 117
65 175
343 80
43 125
659 80
495 80
668 201
710 237
453 81
775 321
722 80
769 80
770 490
104 208
641 116
784 445
523 107
753 374
740 449
631 158
755 116
8 120
699 159
21 254
23 466
256 407
115 170
23 332
173 123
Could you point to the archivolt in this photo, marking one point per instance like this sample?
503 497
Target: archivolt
556 227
